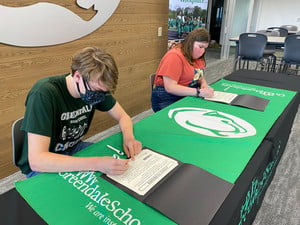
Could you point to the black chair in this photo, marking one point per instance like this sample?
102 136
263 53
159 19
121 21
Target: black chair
291 57
17 140
283 32
250 48
151 78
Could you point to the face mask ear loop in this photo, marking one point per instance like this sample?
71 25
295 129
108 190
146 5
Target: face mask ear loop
86 84
78 88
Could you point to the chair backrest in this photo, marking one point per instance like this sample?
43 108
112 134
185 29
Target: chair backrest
282 31
292 49
152 77
290 27
17 140
251 46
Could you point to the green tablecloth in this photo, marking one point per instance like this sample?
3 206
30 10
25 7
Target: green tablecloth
223 156
217 137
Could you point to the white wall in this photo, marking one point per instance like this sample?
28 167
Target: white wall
277 13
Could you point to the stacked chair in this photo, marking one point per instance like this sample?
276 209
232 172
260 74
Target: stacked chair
290 27
270 50
283 32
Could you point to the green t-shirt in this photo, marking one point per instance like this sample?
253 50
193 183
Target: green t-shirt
51 111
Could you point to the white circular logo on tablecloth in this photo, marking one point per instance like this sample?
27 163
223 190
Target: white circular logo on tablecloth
211 122
44 23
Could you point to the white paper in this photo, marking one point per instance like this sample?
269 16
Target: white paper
220 96
147 169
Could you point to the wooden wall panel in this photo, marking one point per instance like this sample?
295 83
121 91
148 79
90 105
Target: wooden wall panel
130 35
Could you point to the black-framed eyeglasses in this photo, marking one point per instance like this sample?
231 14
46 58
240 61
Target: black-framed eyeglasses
92 97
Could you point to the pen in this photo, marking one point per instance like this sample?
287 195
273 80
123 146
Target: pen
116 150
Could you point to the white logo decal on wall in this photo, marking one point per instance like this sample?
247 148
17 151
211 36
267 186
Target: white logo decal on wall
44 24
212 123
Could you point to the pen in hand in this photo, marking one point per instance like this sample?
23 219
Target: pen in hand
116 150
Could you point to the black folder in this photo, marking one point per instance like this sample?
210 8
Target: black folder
188 195
243 100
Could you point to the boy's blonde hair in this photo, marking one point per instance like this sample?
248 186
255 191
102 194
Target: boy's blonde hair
94 64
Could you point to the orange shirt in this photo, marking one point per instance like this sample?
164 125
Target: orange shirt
175 66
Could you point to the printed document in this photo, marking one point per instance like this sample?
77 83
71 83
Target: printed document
146 170
220 96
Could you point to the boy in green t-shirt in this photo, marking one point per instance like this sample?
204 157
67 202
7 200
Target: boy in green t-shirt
59 110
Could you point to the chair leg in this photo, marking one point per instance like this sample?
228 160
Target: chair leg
285 68
235 63
280 68
274 63
266 63
262 66
240 64
269 63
